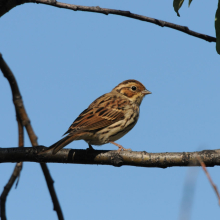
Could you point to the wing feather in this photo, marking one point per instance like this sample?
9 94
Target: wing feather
101 113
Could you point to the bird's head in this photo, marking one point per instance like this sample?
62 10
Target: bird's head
133 90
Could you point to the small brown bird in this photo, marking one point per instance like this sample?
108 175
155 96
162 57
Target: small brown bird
108 118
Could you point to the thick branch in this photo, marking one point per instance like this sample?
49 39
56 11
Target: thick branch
8 5
104 157
22 115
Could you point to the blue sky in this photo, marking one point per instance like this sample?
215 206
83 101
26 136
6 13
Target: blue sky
63 60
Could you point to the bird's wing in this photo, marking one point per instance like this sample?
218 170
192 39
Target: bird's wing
103 112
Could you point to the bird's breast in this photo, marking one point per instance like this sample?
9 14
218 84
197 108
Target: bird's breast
117 129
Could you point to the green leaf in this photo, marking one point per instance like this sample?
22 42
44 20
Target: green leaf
177 5
217 28
190 1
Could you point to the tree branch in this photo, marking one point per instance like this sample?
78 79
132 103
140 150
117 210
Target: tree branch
8 5
105 157
8 187
15 174
22 114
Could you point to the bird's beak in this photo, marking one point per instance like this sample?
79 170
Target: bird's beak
146 92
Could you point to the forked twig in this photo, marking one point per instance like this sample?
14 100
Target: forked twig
22 115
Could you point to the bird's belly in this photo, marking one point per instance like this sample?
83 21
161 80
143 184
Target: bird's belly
112 132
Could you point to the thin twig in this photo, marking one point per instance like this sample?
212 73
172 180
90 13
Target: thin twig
8 5
209 177
20 109
20 142
107 157
15 174
8 187
128 14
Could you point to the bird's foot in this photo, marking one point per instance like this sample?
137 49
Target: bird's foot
119 147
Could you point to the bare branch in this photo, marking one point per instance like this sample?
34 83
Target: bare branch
21 113
15 174
8 5
105 157
8 187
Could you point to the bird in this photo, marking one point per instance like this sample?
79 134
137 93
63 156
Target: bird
108 118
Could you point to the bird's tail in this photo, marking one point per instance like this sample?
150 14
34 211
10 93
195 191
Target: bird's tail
60 144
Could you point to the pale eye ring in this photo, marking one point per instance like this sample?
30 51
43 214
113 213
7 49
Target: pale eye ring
133 88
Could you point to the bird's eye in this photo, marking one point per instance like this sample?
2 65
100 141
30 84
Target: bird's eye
133 88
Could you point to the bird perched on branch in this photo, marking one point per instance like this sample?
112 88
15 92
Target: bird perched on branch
108 118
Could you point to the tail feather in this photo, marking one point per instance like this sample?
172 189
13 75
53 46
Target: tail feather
60 144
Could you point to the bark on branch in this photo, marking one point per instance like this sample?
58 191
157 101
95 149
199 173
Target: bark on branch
6 5
24 121
105 157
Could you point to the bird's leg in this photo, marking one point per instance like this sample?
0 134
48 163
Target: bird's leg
119 147
90 147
